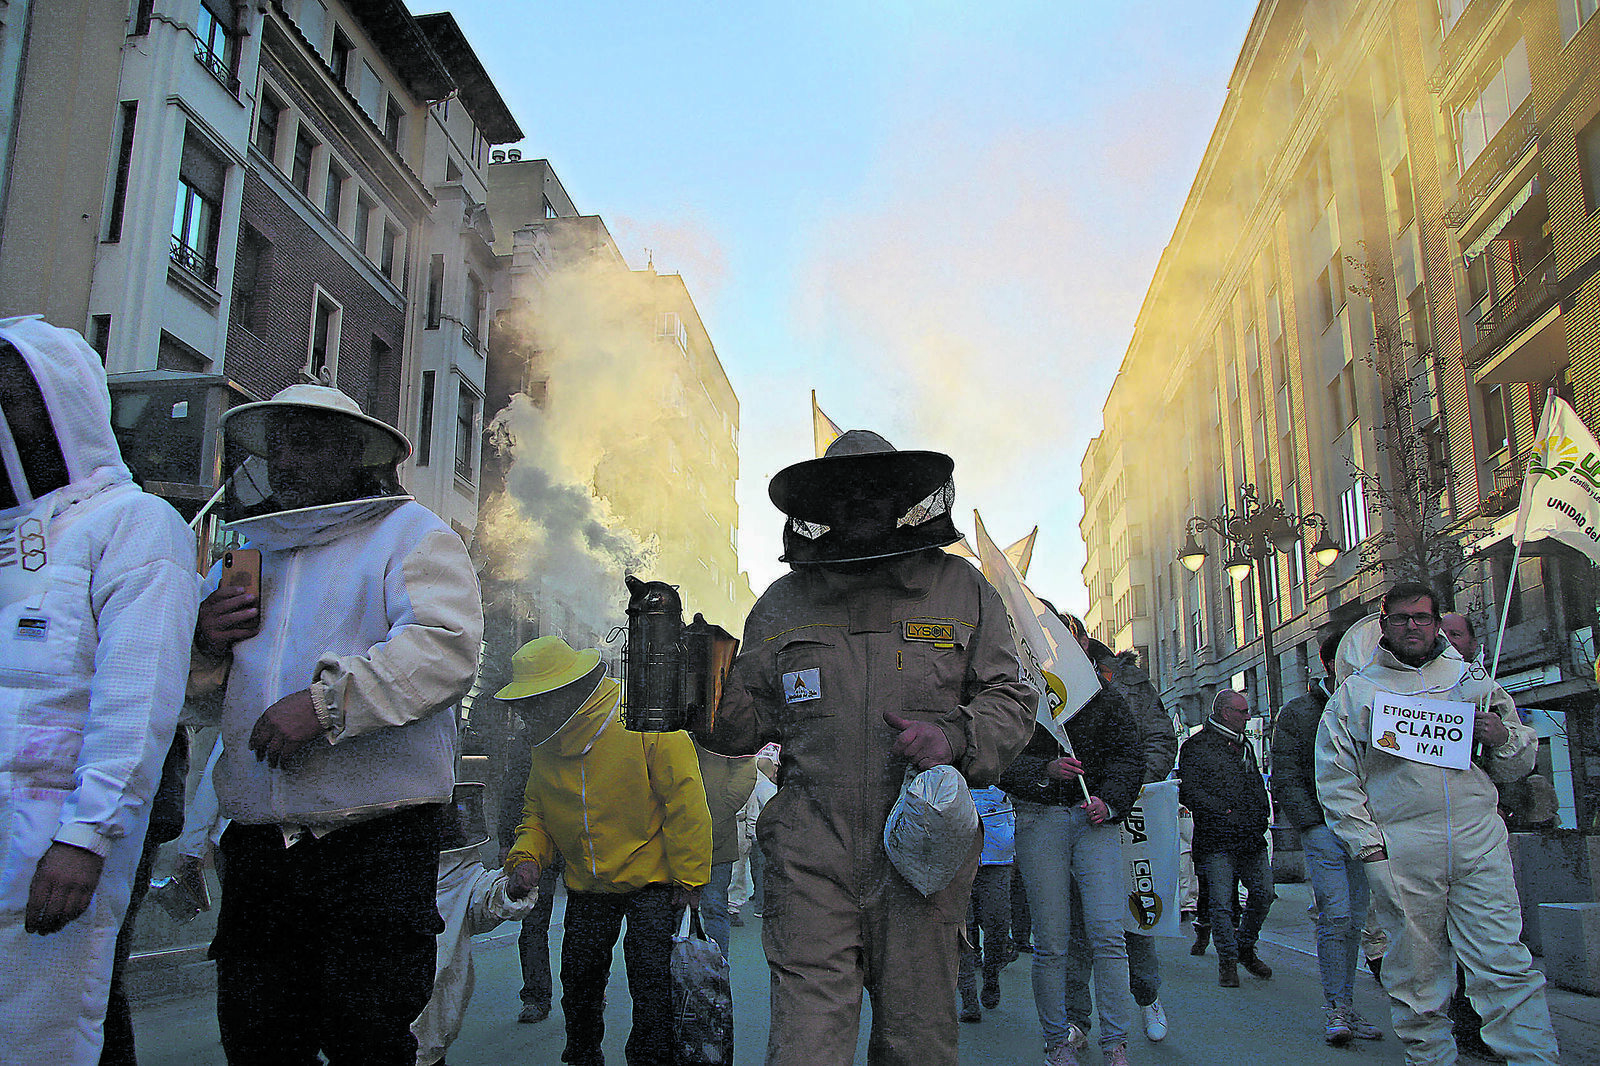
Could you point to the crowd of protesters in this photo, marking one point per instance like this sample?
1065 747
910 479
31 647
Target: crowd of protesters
350 861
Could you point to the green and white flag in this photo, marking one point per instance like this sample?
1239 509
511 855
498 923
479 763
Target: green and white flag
1561 492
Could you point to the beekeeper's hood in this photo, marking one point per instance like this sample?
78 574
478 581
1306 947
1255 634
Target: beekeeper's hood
863 500
554 687
1362 649
308 447
55 415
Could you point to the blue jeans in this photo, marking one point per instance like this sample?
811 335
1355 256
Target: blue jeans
1339 884
714 904
1225 871
1055 846
1144 969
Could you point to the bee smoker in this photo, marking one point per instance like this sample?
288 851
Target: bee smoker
672 673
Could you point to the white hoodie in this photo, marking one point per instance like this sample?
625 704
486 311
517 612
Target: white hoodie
94 648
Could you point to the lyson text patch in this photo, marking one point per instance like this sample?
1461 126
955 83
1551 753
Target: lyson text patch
941 632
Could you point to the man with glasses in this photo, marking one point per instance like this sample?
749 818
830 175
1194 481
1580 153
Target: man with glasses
1433 843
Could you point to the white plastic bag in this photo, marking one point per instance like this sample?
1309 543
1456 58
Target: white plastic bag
932 828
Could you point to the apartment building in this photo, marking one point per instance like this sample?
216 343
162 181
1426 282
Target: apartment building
1383 263
230 198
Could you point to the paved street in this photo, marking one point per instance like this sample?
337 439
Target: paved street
1277 1021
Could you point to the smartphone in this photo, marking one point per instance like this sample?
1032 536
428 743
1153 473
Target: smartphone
241 569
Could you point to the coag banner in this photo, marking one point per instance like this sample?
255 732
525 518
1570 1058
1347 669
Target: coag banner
1150 861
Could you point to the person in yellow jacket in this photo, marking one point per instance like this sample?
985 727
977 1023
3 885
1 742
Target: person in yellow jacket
628 812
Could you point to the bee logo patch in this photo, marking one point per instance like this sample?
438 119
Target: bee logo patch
801 686
32 628
934 632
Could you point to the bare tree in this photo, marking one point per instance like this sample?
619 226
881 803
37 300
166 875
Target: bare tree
1409 479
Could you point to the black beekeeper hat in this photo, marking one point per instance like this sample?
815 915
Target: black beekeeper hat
912 492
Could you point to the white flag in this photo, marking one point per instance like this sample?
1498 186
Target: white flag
1561 491
1043 643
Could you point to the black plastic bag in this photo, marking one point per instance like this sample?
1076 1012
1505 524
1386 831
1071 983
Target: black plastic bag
702 998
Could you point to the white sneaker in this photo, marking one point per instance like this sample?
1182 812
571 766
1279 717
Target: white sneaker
1155 1022
1077 1039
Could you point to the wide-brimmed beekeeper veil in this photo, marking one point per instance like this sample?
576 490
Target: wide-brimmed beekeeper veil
248 433
863 500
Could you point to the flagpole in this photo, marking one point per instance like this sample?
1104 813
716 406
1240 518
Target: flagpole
1518 536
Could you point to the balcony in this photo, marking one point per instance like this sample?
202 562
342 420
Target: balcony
1470 16
1521 336
1505 487
195 262
1499 158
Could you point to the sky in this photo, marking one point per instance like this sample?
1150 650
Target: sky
941 216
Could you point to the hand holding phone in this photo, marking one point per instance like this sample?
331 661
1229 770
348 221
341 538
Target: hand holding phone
231 613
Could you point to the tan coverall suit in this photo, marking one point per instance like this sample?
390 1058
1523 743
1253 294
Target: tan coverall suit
824 655
1446 889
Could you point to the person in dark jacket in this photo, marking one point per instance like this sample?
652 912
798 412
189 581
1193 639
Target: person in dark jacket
1068 806
1338 879
1222 786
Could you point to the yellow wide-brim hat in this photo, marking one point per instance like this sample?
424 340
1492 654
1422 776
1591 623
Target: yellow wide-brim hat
544 665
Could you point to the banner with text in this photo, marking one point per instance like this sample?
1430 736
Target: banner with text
1436 732
1561 491
1150 859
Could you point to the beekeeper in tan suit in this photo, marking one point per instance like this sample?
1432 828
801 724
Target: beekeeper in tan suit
879 651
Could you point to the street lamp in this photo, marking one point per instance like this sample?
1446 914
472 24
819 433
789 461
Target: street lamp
1253 533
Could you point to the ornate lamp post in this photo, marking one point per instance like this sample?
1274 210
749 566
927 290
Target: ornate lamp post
1253 533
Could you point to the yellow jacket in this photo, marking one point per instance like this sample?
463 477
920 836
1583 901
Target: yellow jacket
625 809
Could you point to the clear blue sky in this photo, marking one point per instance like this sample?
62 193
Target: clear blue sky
942 217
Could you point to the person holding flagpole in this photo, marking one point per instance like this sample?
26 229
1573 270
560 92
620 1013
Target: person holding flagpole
1408 754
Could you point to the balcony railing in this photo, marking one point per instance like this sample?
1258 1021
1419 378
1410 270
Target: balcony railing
1532 296
1493 164
1457 37
1505 487
218 66
195 262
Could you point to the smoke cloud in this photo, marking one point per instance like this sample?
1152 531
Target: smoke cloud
601 388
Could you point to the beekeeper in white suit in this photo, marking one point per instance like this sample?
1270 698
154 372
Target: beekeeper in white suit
1435 848
97 607
472 900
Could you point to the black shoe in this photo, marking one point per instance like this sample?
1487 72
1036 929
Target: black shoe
1227 973
1257 968
1376 966
970 1013
991 993
533 1012
1472 1044
1202 939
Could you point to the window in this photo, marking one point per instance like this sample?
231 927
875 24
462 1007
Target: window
1353 513
425 420
1574 13
305 147
339 57
363 222
1589 163
1496 419
249 277
323 351
435 291
197 215
466 419
452 172
333 192
100 335
393 116
388 253
670 327
119 180
472 308
1505 86
268 112
549 208
379 364
1404 201
370 95
142 10
216 42
173 354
